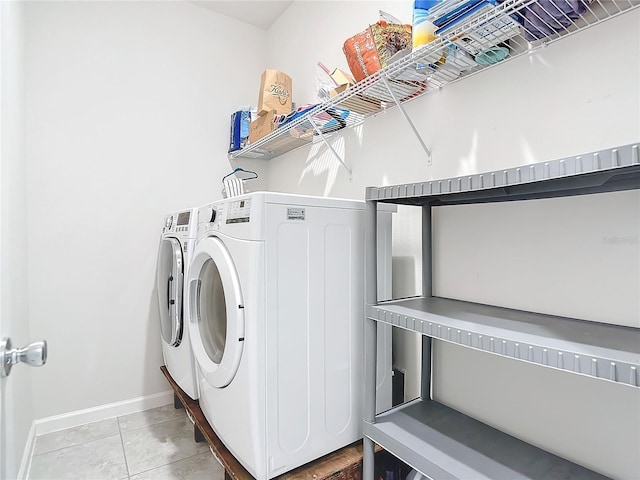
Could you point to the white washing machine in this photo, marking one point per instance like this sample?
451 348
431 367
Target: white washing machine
275 307
174 255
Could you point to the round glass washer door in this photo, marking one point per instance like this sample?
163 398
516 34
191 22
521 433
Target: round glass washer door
169 276
216 310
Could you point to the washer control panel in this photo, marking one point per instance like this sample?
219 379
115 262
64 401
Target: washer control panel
177 223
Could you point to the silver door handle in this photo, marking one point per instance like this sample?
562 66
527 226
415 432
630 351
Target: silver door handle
34 354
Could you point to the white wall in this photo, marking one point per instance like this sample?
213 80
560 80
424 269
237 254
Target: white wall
554 102
16 402
128 108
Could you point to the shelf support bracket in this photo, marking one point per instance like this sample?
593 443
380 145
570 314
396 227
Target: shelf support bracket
335 154
406 117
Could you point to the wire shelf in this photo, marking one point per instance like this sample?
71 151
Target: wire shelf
518 26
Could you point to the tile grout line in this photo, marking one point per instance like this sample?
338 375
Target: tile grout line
101 437
151 424
124 452
74 444
120 433
171 463
140 428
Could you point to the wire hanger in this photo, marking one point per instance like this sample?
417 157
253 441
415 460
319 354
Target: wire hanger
237 170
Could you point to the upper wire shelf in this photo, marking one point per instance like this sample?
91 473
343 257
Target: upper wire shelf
426 69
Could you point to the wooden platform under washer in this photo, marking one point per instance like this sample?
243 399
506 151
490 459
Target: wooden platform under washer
343 464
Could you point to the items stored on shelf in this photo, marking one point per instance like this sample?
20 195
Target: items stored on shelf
276 92
324 121
239 129
547 17
423 30
262 126
486 35
491 37
370 50
330 84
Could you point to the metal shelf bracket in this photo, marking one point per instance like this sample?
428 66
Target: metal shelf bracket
406 117
335 154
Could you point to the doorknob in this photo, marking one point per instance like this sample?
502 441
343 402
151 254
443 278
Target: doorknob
34 354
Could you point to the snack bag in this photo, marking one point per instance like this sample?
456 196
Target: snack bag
369 51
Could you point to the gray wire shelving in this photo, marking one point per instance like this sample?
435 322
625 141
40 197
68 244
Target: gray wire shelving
441 442
426 69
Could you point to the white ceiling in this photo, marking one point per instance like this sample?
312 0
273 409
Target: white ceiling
261 13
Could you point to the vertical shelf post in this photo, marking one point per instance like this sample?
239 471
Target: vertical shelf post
370 332
427 291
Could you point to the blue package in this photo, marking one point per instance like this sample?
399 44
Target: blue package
497 29
239 132
478 9
451 15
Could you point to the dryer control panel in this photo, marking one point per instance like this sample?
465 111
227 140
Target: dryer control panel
239 211
211 216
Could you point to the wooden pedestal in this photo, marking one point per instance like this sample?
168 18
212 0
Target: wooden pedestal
343 464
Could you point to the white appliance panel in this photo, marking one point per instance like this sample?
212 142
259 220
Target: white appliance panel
311 325
174 256
297 393
289 323
236 411
338 335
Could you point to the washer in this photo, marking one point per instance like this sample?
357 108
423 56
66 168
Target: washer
275 307
174 255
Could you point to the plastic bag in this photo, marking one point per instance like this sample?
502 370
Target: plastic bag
324 83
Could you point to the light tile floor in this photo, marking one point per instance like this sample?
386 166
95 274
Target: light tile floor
154 444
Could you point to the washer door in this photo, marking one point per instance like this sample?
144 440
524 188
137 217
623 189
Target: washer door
169 276
216 312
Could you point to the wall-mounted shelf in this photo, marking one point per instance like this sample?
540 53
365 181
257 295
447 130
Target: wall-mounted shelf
434 439
423 71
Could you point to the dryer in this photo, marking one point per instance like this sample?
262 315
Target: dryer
275 306
174 255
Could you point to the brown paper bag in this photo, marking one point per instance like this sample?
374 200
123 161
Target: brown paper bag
275 92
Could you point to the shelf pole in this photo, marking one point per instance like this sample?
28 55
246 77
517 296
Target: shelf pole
370 332
427 252
319 132
427 291
406 117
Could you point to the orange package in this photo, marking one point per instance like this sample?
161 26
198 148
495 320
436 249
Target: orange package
369 51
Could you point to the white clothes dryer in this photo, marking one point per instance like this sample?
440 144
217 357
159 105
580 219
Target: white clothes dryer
174 255
275 305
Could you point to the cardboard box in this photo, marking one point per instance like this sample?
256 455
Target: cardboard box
339 90
342 78
262 126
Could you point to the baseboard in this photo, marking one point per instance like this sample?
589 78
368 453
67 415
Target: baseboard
101 412
25 464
